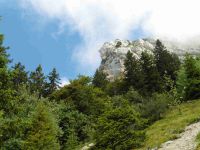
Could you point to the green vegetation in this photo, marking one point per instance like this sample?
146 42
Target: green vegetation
173 123
198 142
120 121
130 112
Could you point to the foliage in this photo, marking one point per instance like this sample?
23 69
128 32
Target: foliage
86 98
151 73
53 84
44 131
4 60
116 87
19 76
133 74
120 127
3 54
152 80
112 115
188 80
154 107
100 79
74 125
37 81
134 97
166 62
19 118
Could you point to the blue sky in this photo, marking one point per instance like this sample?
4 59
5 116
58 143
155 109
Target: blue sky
32 43
67 34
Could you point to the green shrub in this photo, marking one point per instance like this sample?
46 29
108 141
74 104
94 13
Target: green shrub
120 128
44 130
154 108
134 97
74 126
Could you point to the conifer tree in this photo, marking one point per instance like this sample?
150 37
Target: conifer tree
151 75
99 79
37 81
6 92
120 127
19 75
4 60
44 131
54 83
133 74
166 62
192 72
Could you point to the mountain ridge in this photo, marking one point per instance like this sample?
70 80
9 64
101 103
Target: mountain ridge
114 53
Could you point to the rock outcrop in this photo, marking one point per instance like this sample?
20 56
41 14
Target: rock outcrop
114 53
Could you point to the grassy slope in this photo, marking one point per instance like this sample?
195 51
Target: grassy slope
198 141
174 122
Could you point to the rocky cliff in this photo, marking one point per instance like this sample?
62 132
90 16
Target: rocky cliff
113 53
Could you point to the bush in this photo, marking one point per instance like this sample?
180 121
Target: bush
74 126
44 130
121 127
154 108
134 97
117 87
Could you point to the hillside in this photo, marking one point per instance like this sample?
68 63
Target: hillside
173 123
131 112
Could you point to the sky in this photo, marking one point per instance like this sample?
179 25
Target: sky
67 34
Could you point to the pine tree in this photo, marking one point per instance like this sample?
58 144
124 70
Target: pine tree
37 81
7 101
19 75
6 92
54 83
133 74
120 127
44 131
166 62
4 60
151 75
192 71
100 79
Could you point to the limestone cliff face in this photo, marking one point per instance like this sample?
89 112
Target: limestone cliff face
114 53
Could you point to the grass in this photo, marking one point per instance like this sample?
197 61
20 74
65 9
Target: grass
173 123
198 142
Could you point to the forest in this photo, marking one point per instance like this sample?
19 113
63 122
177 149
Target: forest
36 113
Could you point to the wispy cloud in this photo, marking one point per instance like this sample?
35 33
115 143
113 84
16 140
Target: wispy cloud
98 21
64 81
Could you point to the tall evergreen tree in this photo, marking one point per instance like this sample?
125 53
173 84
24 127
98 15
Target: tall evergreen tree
192 71
166 62
4 60
54 83
6 91
37 81
19 75
44 131
133 74
151 75
100 79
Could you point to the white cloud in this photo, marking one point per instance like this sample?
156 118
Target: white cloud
98 21
64 81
